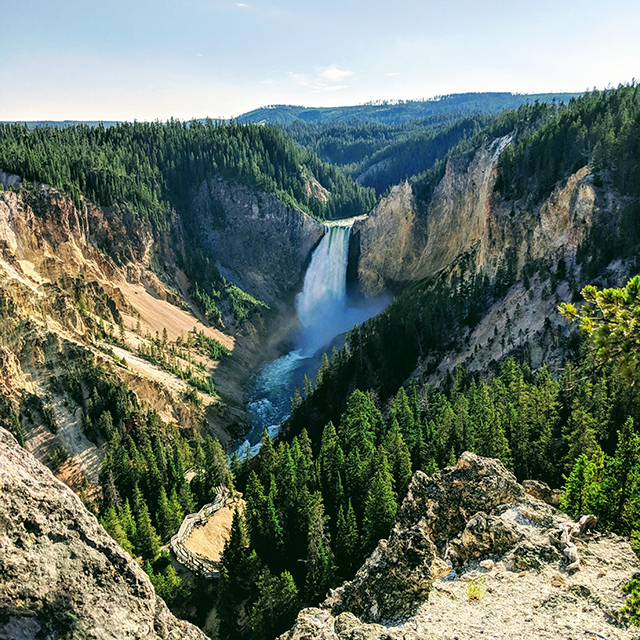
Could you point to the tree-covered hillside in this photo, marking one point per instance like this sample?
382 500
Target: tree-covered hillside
397 112
601 128
381 155
154 167
384 143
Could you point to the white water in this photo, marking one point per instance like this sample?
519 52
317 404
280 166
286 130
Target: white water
325 312
323 299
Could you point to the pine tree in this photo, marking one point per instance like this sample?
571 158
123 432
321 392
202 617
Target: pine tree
235 467
148 542
331 467
129 524
105 425
276 606
236 548
402 412
579 436
320 568
322 370
381 506
164 517
359 425
399 459
111 522
583 489
267 536
305 467
347 540
622 488
267 459
216 463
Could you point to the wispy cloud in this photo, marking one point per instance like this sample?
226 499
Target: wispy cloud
333 74
240 4
324 79
199 55
395 73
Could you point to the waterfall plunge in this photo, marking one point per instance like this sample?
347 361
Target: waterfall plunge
324 313
322 303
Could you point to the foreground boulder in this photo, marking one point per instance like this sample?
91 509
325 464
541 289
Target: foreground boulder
475 555
61 574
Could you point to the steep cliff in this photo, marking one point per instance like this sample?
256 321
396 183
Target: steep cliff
62 575
467 228
258 243
103 283
474 555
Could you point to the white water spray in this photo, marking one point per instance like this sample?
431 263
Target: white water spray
323 299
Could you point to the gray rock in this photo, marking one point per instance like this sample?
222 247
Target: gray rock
61 574
396 578
485 535
449 498
8 180
542 491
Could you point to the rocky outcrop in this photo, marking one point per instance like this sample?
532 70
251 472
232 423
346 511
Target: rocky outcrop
62 576
473 552
257 242
395 579
402 242
406 240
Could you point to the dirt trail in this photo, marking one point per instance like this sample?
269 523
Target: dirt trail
208 540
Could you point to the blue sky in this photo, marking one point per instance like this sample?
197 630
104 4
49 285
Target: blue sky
148 59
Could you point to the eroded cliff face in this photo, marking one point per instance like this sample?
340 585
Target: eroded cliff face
404 240
257 242
401 242
63 576
70 277
474 554
467 228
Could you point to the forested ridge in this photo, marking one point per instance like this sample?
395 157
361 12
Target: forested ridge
380 155
401 111
154 166
601 128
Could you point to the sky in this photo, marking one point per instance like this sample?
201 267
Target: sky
156 59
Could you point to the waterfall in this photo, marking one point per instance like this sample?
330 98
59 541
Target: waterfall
324 313
323 298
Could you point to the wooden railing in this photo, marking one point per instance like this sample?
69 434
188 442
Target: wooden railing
194 561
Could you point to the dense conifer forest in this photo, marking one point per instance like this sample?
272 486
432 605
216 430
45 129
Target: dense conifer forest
154 167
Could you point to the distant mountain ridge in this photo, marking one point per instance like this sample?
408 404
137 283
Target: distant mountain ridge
396 112
62 124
